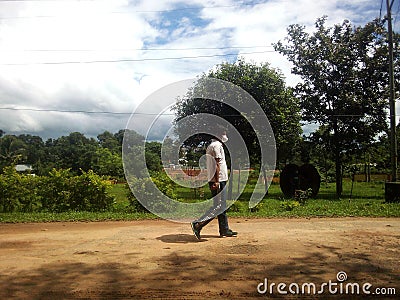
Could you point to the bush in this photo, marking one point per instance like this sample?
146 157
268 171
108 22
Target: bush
136 184
89 193
289 205
57 192
145 188
240 206
17 191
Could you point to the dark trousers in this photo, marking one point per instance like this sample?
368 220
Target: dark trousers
217 210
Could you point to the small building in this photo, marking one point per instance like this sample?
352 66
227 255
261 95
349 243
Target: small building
24 168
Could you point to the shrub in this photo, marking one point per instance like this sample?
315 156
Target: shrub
89 193
17 191
289 205
28 198
57 192
240 206
144 187
302 196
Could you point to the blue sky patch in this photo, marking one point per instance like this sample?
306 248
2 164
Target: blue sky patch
181 21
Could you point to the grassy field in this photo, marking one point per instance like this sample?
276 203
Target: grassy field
366 200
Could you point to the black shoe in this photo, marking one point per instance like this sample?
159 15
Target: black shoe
228 233
196 230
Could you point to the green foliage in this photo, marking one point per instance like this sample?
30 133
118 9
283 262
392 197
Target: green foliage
135 150
110 141
137 184
73 216
35 152
144 187
240 206
12 150
153 156
302 196
267 86
89 193
289 205
55 191
237 206
108 163
17 191
58 192
76 152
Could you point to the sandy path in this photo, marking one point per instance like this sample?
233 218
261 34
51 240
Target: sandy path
161 259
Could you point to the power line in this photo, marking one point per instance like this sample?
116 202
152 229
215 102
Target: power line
139 113
98 112
133 59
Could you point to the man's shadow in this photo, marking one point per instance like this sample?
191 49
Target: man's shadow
184 238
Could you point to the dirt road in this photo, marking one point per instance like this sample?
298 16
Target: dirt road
161 259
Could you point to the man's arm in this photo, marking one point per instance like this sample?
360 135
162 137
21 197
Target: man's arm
215 179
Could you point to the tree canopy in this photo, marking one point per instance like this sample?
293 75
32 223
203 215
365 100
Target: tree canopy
267 86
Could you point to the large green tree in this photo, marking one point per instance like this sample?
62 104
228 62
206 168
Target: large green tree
344 78
105 162
74 151
12 151
109 141
267 86
35 151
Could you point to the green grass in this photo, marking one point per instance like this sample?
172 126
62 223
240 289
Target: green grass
73 216
367 200
119 191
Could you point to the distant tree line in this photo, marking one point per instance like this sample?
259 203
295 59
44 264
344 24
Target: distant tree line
75 152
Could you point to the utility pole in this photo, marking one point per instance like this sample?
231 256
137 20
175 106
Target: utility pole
392 103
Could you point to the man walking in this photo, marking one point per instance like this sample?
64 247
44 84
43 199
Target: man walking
217 172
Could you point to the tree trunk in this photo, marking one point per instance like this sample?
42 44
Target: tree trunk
338 161
339 183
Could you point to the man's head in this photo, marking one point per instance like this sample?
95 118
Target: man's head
220 133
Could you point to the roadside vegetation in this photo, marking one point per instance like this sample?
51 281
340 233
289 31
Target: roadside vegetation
366 200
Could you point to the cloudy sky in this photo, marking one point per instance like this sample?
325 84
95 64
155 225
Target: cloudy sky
68 65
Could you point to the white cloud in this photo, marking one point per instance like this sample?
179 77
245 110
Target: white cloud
36 35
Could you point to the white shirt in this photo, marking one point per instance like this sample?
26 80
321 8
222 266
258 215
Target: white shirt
216 150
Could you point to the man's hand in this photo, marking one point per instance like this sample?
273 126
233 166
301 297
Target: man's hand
215 186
